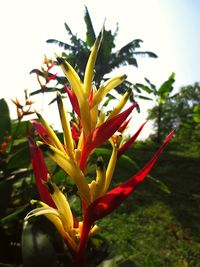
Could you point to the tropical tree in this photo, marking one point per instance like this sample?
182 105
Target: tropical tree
159 96
183 112
77 52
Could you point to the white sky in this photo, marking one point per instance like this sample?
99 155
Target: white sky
170 28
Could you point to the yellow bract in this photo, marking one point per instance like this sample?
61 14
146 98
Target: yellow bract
68 140
106 88
120 105
70 167
89 71
53 137
78 89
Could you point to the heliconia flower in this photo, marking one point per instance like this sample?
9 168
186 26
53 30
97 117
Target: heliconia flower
94 127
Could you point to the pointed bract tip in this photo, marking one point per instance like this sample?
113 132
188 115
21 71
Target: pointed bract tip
61 61
38 115
58 97
123 77
46 148
50 187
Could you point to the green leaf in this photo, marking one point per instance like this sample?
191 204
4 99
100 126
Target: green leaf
20 129
37 247
107 45
160 184
125 162
196 113
60 44
152 86
144 97
144 87
13 215
23 154
5 122
102 151
108 263
166 88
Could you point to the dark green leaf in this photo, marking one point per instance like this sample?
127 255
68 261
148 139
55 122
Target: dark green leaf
160 184
145 97
19 130
14 214
152 86
21 158
125 162
61 44
5 122
37 247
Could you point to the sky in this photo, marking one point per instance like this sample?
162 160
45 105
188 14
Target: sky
170 28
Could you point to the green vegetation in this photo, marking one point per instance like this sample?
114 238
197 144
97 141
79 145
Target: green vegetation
153 228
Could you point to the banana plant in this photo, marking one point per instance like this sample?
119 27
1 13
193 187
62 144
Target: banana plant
77 51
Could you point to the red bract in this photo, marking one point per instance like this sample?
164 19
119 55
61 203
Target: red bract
41 131
41 173
103 133
73 100
74 133
125 146
124 125
110 201
51 77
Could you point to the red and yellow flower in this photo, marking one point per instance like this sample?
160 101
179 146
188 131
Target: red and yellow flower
92 129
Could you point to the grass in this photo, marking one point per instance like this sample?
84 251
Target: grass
153 228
